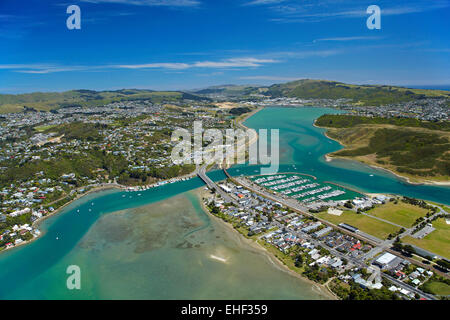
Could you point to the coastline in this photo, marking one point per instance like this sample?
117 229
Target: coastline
103 187
329 157
254 135
323 289
109 186
38 221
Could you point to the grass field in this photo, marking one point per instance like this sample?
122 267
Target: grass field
364 223
438 288
401 213
44 128
437 242
9 108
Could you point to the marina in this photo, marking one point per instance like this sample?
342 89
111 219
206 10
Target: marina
304 188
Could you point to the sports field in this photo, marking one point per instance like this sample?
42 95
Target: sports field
364 223
437 287
437 242
401 213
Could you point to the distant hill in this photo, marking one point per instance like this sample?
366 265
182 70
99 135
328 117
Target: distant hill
373 95
47 101
409 147
363 94
228 90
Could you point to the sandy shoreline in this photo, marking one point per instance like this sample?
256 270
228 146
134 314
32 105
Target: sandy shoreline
37 222
103 187
329 157
253 139
321 289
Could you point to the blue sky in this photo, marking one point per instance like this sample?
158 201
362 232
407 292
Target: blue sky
185 44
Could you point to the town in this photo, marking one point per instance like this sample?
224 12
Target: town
351 263
48 159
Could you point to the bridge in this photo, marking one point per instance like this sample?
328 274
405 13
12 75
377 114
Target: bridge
212 185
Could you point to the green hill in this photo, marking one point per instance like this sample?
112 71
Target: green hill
308 89
363 94
47 101
229 90
418 150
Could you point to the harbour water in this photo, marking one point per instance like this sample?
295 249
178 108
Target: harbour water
303 146
169 249
161 244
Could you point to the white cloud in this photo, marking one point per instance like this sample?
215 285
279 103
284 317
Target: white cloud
270 78
234 63
262 2
152 3
344 39
177 66
248 62
316 11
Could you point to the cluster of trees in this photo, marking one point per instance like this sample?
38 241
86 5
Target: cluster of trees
318 274
240 110
419 203
445 264
137 177
406 249
415 153
349 121
353 291
393 235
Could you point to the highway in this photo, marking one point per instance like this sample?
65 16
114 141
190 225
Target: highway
296 206
360 262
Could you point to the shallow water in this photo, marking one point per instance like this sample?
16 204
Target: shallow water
162 245
303 145
166 250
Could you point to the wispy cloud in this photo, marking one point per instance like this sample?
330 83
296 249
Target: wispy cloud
164 65
303 54
262 2
248 62
7 17
152 3
345 39
270 78
234 63
41 68
228 63
316 11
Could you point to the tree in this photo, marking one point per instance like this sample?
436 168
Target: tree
444 264
299 261
215 210
408 249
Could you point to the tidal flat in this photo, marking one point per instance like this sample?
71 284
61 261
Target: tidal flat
171 249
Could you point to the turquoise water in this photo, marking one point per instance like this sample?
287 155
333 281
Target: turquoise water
157 250
303 145
159 245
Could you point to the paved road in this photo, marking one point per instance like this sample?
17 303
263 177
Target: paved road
293 204
360 262
212 185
